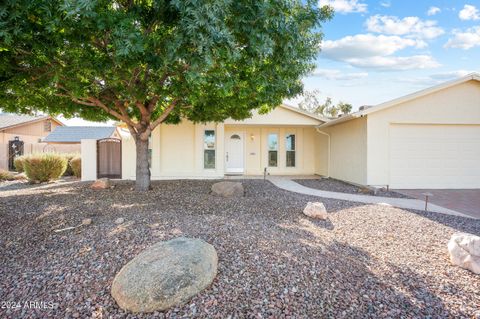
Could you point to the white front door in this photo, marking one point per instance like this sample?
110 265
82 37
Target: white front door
234 159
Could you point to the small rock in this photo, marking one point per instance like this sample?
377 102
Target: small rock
102 183
228 189
464 251
119 220
315 210
86 221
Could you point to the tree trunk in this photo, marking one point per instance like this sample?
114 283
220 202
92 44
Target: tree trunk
143 170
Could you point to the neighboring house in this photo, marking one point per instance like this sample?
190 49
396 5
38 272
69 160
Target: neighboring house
25 129
74 134
429 139
30 129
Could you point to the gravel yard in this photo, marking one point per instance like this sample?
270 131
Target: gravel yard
333 185
366 261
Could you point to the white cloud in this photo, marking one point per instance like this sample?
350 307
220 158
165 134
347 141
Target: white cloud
376 52
469 12
385 4
331 74
433 11
401 63
345 6
464 40
408 26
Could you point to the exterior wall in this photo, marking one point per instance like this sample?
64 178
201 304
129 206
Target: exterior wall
256 149
348 157
456 105
89 160
322 154
177 152
278 116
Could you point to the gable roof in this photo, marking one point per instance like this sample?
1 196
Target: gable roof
403 99
281 115
9 120
298 110
74 134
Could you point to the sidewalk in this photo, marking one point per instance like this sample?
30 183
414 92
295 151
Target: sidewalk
289 185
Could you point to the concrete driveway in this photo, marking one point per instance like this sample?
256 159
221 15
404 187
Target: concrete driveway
466 201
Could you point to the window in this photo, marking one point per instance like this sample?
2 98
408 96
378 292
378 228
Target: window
47 126
290 146
272 150
209 149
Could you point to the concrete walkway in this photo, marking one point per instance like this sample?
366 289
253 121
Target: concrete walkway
289 185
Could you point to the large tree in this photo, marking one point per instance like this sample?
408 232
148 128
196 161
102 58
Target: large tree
146 62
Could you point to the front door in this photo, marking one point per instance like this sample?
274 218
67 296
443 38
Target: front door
234 160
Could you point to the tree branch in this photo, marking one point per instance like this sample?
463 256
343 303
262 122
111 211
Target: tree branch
164 115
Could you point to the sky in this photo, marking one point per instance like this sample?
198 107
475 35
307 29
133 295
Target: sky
378 50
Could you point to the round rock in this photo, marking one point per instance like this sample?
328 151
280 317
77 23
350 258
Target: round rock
165 275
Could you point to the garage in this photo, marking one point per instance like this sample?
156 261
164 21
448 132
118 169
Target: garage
434 156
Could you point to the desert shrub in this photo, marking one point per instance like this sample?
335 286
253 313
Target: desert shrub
18 163
76 166
69 157
44 167
5 175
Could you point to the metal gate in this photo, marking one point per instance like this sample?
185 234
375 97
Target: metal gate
15 148
109 158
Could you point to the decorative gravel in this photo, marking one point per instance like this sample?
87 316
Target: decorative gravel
365 261
334 185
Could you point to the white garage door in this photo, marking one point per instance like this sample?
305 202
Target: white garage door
434 156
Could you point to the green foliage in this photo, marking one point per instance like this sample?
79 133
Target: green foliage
69 157
44 167
6 175
76 166
18 163
211 59
311 103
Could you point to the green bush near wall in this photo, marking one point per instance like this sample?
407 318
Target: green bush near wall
18 163
76 166
44 167
5 175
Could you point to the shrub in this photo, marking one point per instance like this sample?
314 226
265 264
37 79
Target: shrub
18 163
5 175
44 167
76 166
69 157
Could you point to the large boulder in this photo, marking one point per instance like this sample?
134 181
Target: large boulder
102 183
464 251
165 275
228 189
315 210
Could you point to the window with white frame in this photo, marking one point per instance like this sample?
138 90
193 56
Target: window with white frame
273 150
209 149
290 147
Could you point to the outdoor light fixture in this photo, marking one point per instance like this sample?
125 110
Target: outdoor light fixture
252 137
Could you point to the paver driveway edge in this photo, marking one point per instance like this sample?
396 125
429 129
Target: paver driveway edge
289 185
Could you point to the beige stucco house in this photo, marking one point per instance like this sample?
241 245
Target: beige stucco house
429 139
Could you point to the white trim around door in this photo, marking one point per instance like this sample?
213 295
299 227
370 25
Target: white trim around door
234 152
